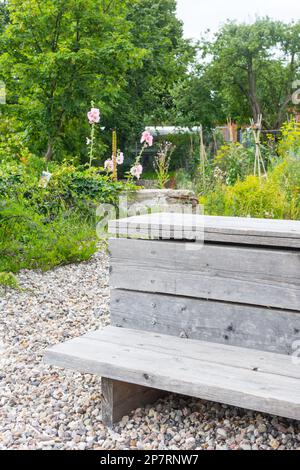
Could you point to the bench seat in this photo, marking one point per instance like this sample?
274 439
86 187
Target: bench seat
251 379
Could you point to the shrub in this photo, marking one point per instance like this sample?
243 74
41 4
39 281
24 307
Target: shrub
254 197
8 280
289 145
45 227
235 161
26 241
277 197
287 177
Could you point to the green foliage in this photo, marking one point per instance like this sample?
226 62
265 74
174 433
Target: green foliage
26 241
162 164
183 180
8 280
44 227
235 161
277 197
148 96
57 55
289 145
194 102
246 76
287 176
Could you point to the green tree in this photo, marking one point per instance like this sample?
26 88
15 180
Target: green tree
4 17
195 101
252 68
57 55
147 97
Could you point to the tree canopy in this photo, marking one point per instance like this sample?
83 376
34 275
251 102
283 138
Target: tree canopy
58 55
131 59
252 68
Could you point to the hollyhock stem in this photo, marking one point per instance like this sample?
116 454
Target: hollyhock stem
138 159
91 153
114 155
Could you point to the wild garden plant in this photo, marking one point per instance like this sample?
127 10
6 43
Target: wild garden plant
162 163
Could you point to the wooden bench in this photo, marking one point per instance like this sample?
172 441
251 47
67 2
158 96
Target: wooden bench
218 321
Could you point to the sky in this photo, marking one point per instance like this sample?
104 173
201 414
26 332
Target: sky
200 15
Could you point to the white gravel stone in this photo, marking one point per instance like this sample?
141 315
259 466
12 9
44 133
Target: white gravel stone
48 408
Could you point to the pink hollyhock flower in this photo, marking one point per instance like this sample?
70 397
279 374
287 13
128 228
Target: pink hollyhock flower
148 138
109 165
137 171
94 116
120 158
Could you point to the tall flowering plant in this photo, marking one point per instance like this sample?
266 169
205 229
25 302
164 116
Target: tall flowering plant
109 164
93 118
162 163
137 169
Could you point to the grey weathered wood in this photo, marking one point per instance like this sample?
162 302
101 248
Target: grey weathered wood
246 275
216 354
227 323
256 380
285 233
120 398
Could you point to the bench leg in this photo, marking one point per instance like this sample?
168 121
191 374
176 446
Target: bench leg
120 398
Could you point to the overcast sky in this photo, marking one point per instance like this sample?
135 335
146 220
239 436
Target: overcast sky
200 15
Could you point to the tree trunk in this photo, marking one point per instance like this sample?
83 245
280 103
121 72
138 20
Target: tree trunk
255 106
49 153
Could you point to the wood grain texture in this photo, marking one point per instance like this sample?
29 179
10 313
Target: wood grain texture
237 325
285 233
120 399
247 275
255 380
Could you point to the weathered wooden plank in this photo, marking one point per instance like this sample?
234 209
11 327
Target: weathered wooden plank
246 275
285 233
226 323
120 398
172 364
203 351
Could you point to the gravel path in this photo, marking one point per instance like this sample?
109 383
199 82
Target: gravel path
45 408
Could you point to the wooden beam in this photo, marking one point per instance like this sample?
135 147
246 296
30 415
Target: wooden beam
120 399
243 275
256 380
239 230
247 326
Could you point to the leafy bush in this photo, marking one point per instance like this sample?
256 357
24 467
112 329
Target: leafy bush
26 241
287 177
235 161
8 280
45 227
277 197
12 139
289 145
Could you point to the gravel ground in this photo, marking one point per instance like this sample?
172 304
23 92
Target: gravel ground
46 408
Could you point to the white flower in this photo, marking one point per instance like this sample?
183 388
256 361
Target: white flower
120 158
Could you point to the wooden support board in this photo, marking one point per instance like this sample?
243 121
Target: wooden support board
244 275
247 326
236 230
255 380
120 398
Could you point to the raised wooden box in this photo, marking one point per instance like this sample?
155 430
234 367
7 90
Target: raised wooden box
204 306
240 287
